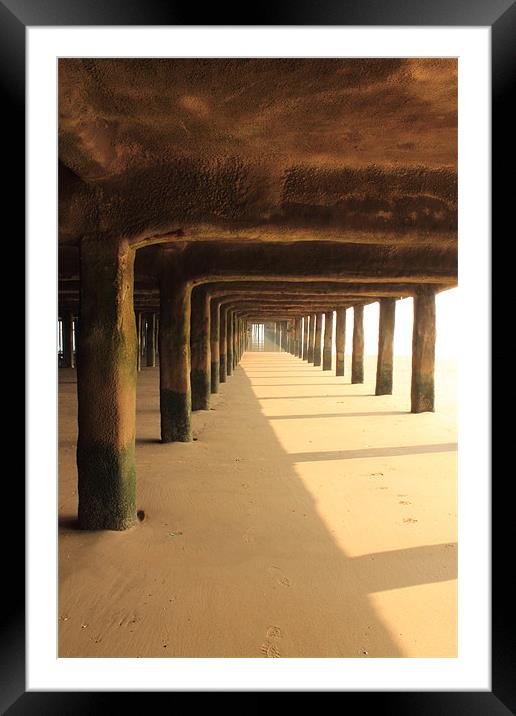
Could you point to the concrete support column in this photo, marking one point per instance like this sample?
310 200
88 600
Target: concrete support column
357 358
223 326
174 356
305 338
340 340
284 337
229 343
200 373
151 340
106 386
214 344
328 340
423 354
385 347
299 341
235 341
317 340
311 339
139 339
67 323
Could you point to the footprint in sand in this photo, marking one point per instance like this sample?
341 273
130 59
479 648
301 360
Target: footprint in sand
269 648
281 578
271 651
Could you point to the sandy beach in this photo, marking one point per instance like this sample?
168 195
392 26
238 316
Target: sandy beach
308 518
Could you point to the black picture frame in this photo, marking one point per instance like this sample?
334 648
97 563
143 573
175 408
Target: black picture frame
500 16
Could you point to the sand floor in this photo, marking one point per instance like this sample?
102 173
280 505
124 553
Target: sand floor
308 519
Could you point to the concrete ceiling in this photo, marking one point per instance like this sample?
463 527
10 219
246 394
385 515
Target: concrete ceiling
252 150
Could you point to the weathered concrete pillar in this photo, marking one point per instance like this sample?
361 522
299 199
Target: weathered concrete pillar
317 341
223 328
151 340
299 337
340 340
328 340
229 343
200 372
214 344
156 342
357 358
423 353
235 341
284 336
67 323
174 355
106 386
305 337
139 339
385 347
311 339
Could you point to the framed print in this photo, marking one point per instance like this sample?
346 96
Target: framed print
255 459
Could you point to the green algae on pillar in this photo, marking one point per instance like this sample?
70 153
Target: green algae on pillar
385 346
200 372
357 357
317 339
340 340
174 355
106 386
214 344
328 340
423 353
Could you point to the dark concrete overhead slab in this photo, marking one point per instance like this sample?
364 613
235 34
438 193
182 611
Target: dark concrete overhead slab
359 150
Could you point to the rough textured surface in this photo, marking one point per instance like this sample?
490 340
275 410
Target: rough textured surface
174 356
357 358
262 145
106 386
200 374
422 393
317 339
328 340
214 344
223 342
385 346
340 341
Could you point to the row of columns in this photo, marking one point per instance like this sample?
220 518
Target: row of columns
317 346
201 339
